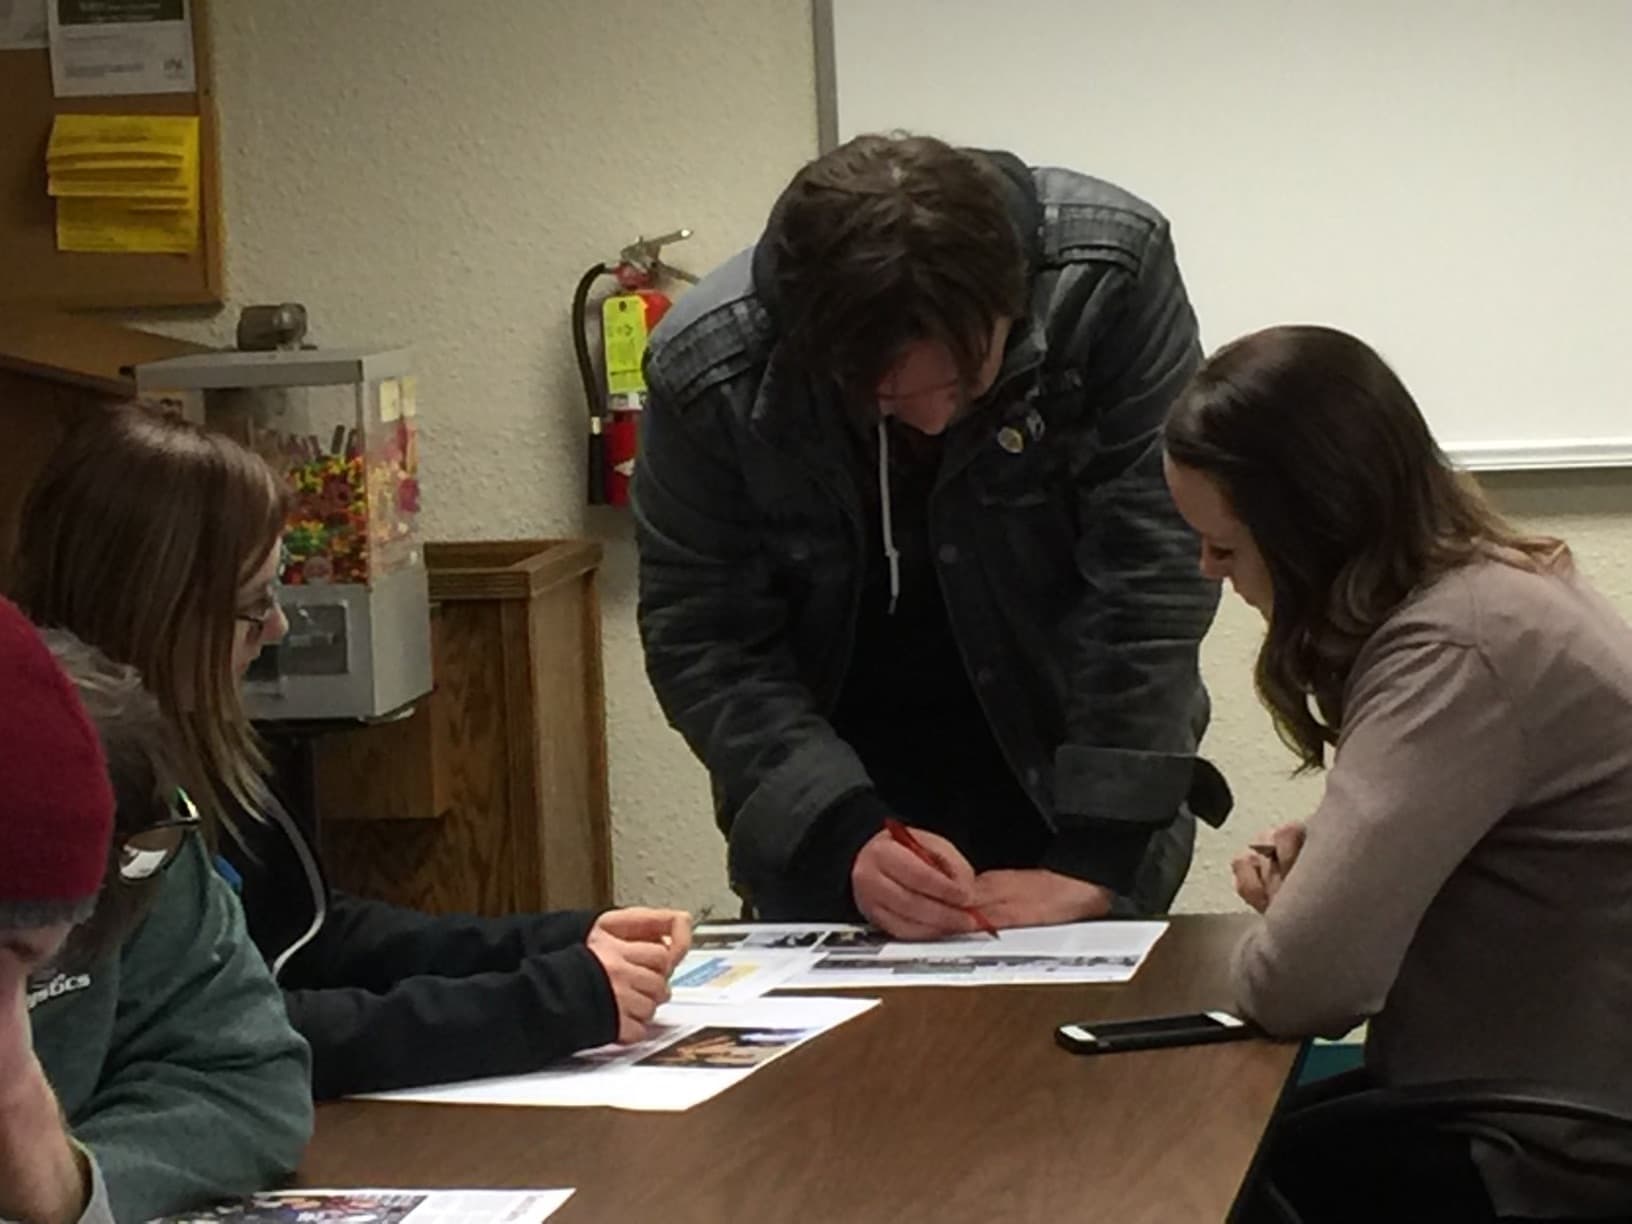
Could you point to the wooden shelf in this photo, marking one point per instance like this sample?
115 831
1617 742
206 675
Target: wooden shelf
53 368
79 350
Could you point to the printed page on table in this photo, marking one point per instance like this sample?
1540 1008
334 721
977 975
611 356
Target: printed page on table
734 975
1065 939
697 1052
850 957
385 1207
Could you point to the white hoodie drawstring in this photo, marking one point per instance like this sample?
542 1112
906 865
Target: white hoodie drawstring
892 556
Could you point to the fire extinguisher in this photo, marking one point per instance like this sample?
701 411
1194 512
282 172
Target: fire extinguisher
615 397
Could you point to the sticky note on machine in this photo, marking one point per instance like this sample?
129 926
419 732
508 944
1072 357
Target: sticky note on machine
125 183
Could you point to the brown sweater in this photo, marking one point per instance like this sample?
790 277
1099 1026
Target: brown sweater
1467 878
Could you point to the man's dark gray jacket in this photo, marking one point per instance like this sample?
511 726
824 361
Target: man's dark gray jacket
1071 583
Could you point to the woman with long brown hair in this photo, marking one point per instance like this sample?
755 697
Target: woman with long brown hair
159 543
1463 883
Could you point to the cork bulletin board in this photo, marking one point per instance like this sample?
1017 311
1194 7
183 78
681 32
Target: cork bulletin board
32 271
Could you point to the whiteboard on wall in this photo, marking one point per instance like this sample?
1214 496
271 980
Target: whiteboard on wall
1451 181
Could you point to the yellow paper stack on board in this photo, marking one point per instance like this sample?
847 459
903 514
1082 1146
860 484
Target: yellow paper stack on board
125 183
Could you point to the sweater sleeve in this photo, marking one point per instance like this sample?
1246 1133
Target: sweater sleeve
1431 757
374 945
204 1092
437 1030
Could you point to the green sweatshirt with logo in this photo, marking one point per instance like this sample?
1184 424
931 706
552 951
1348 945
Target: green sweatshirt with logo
173 1060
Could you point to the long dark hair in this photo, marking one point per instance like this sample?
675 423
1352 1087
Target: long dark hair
136 538
1325 458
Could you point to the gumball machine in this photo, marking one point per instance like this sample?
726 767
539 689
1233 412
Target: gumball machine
340 428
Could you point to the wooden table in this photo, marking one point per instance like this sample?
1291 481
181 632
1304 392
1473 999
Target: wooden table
942 1105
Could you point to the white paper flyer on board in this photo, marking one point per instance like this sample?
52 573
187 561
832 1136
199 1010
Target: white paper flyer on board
105 47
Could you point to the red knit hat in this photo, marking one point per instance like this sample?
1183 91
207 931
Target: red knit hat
56 803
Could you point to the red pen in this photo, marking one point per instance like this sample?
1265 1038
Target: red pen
903 836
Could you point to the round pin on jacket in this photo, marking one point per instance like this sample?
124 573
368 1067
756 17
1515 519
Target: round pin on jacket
1011 439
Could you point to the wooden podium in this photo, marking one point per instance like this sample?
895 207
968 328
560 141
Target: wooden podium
491 797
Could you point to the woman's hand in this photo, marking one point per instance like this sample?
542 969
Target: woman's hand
638 949
1259 875
639 976
671 928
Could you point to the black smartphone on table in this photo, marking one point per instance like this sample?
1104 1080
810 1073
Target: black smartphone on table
1153 1032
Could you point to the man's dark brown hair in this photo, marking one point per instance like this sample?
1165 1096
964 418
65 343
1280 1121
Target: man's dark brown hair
888 240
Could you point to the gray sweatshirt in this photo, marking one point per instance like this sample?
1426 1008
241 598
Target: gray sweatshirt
1467 878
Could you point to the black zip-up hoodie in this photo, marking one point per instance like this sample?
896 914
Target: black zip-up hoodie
392 998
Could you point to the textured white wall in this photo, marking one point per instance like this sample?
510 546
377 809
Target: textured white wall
441 171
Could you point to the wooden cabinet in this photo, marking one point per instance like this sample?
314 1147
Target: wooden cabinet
491 797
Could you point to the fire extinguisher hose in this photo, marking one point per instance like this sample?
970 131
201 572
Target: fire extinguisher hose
593 397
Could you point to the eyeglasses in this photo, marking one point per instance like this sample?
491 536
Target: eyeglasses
149 851
260 612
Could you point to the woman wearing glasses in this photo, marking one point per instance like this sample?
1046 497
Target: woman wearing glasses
1464 881
159 543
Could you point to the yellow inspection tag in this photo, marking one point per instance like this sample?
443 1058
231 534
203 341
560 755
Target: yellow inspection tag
623 319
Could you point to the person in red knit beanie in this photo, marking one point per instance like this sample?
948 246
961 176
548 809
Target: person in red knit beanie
57 812
117 1007
56 817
